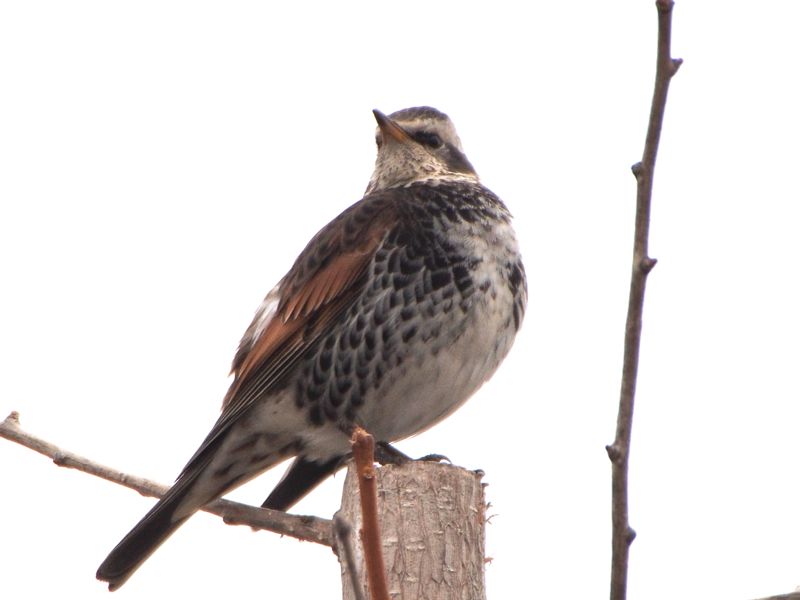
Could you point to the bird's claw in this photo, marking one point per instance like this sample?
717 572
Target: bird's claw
386 454
435 458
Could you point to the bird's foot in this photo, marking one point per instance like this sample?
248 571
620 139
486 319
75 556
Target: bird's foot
386 454
435 458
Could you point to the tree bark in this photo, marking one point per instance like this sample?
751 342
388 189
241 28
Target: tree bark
432 518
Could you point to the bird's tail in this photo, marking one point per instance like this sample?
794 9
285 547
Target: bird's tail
155 527
300 478
225 460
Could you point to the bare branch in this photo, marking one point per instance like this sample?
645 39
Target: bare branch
618 452
307 528
363 445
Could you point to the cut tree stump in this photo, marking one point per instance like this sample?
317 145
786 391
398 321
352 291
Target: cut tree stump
432 518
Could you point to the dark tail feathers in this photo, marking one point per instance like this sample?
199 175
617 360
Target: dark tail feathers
157 525
300 478
143 540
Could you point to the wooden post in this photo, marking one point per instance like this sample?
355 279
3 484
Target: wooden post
432 518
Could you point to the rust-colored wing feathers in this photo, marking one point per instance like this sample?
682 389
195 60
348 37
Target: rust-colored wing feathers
276 333
290 321
327 284
339 254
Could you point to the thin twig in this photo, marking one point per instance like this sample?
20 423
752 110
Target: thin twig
307 528
364 455
344 545
618 452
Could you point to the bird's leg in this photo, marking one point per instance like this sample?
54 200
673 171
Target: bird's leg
435 458
386 454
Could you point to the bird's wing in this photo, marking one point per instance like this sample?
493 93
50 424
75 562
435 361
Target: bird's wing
324 281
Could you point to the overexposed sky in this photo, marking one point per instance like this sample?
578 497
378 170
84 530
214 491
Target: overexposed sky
162 163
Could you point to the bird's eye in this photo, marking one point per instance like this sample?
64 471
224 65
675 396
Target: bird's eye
378 140
426 138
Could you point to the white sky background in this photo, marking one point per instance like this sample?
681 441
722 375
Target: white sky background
162 163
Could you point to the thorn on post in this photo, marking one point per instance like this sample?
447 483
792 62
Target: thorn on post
630 535
647 264
676 64
614 455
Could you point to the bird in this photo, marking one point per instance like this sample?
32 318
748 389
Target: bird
393 315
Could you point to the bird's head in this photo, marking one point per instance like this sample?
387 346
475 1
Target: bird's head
417 144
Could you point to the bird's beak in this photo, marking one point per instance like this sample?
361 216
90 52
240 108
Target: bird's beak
390 129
